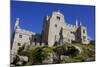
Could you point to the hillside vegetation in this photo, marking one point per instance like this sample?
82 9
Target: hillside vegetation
67 53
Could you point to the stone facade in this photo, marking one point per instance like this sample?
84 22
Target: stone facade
23 37
55 31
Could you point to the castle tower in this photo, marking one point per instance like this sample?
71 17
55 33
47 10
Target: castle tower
51 28
82 34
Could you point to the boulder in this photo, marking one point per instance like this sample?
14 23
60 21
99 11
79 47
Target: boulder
23 58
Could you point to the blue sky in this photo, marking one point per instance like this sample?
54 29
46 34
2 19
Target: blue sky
31 15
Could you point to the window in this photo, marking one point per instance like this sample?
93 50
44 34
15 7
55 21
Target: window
55 25
19 44
83 31
58 17
84 37
20 36
35 40
72 32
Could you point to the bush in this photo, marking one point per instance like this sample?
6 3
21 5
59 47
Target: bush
72 51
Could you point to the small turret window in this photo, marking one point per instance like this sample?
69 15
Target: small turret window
58 17
55 25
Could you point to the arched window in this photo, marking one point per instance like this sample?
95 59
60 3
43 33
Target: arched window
58 17
55 25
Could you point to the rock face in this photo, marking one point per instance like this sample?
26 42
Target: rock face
49 59
19 60
23 58
80 50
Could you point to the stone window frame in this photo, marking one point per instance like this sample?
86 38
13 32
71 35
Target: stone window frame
20 36
19 44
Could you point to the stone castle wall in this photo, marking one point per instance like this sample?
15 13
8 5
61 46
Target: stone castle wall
55 30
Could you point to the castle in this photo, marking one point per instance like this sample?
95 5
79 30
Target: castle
56 31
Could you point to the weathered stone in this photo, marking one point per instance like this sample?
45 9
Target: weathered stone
49 59
23 58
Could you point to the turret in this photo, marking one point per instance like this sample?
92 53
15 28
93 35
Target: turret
17 24
76 22
80 24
